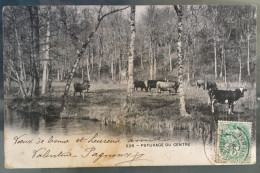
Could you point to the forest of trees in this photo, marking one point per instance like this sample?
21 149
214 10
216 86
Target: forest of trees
43 43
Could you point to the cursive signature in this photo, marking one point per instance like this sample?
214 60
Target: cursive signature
128 156
46 153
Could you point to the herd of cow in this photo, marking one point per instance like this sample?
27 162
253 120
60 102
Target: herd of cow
160 85
215 95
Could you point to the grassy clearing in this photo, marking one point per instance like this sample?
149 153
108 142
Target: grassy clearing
150 110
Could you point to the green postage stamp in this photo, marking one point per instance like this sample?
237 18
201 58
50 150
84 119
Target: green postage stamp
234 142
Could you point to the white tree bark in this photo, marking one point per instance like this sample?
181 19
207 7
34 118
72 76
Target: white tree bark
130 84
188 73
92 63
47 53
82 73
142 64
179 11
154 64
19 55
215 53
151 60
170 57
222 62
240 70
225 68
58 74
248 54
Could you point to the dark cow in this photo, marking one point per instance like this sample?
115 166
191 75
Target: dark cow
210 85
151 84
81 87
222 96
167 86
139 84
200 83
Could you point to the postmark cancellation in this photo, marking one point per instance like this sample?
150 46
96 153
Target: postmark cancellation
234 142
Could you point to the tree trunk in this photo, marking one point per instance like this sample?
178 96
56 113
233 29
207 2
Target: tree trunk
154 69
20 77
184 56
88 74
188 71
240 59
154 63
215 53
142 65
130 84
193 60
20 82
24 73
92 63
188 75
240 71
100 56
151 60
120 61
88 59
179 11
99 68
44 76
222 63
47 76
58 74
225 68
62 73
215 41
112 65
119 66
248 55
19 54
45 62
35 50
240 68
82 73
170 57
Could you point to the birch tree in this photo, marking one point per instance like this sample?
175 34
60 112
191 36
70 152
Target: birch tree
47 53
179 11
130 84
248 20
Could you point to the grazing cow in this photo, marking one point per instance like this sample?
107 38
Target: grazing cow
139 84
151 84
81 87
200 83
210 85
222 96
167 86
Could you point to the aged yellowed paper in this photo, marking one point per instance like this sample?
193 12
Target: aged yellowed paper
103 86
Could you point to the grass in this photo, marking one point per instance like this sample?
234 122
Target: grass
158 112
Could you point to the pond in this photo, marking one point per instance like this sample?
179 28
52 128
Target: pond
41 125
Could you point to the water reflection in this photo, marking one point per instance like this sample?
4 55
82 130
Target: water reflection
74 126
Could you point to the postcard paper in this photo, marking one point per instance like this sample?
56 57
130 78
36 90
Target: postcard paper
104 86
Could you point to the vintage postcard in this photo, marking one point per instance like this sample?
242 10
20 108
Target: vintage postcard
103 86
